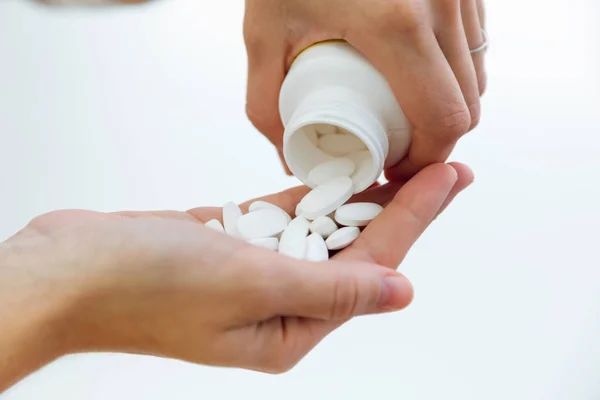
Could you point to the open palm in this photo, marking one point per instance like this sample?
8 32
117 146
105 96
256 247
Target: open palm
161 283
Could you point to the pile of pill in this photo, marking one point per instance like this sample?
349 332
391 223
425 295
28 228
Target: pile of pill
324 222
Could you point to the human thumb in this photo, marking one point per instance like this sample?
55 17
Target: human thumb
338 291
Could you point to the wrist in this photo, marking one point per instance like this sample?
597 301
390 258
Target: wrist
34 308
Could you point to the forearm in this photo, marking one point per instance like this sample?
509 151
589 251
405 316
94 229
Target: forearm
31 312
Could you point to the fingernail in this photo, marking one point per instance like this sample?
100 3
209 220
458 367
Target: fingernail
396 293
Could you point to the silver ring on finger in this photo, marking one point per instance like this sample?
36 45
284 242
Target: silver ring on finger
484 45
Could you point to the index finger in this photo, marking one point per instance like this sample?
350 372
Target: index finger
388 238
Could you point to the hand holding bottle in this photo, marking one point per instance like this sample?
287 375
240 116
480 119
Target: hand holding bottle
422 47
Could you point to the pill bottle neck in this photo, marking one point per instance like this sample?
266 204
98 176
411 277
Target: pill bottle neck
345 109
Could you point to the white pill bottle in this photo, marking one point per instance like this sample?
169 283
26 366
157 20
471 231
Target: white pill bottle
332 83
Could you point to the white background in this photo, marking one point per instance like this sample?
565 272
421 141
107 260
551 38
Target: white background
143 108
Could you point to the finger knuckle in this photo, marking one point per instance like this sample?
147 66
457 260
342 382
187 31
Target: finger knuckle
280 365
453 125
398 17
49 216
253 39
448 7
345 294
415 215
265 121
58 216
281 356
261 120
255 118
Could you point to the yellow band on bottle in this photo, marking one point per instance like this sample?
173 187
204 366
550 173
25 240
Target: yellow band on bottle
318 44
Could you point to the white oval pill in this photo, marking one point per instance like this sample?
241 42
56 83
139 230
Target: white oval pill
261 205
293 238
316 249
340 145
231 213
298 211
267 243
342 238
362 172
357 214
327 197
323 226
216 225
329 170
261 224
325 129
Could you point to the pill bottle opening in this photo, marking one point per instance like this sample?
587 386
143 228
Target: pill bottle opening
302 152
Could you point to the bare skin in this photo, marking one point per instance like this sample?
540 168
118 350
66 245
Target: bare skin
161 283
420 46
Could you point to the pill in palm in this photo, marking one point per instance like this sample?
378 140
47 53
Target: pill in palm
340 145
327 197
316 249
357 214
266 222
231 213
342 238
323 226
293 239
329 170
261 205
216 225
267 243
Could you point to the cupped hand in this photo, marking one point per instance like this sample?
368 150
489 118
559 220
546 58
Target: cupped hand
162 283
422 47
